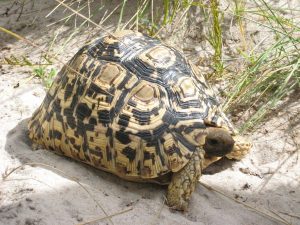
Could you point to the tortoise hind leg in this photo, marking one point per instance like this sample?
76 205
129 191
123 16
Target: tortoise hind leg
183 183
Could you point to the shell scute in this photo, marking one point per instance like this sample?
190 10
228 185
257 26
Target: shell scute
123 104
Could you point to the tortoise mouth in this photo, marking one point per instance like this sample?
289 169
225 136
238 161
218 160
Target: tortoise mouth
218 142
220 153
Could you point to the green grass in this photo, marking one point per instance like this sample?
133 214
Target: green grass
215 36
239 11
270 75
40 70
17 61
45 75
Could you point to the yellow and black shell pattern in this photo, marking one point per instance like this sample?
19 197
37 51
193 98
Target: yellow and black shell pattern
121 105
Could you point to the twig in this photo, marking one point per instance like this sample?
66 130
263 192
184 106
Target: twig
22 8
5 176
276 214
277 169
9 8
159 211
291 215
106 217
281 220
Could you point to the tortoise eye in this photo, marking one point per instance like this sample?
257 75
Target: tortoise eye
213 141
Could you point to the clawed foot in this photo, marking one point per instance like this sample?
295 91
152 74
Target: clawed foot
176 199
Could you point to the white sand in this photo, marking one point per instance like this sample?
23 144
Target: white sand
267 179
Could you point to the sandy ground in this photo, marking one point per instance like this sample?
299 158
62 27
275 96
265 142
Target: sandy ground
57 190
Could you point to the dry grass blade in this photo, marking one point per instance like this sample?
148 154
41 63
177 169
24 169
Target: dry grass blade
7 174
106 217
261 212
121 14
92 22
68 16
136 15
89 9
52 11
291 215
43 51
104 18
157 217
86 18
181 17
276 171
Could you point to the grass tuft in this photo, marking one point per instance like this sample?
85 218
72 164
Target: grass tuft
271 74
45 75
215 36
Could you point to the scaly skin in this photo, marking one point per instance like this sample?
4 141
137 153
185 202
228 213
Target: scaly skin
184 181
241 148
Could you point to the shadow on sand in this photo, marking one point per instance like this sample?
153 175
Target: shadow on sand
35 193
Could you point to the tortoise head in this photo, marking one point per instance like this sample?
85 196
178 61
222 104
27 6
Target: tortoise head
215 141
222 139
218 142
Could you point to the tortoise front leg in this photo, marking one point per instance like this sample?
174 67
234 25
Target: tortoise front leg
184 181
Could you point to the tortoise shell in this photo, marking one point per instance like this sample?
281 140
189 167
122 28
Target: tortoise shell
127 104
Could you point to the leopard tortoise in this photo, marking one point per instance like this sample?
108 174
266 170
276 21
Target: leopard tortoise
132 106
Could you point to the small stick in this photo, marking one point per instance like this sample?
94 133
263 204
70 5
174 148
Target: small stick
291 215
246 205
106 217
159 211
22 8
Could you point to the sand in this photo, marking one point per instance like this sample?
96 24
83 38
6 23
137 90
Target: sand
50 189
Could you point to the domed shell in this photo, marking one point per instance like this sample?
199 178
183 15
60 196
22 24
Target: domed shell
122 105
